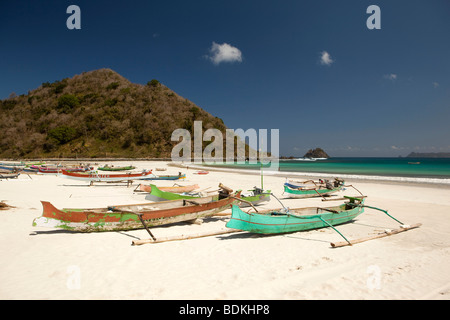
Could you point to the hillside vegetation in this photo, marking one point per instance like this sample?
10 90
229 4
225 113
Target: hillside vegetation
96 114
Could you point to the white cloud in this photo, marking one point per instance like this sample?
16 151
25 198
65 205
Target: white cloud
325 58
224 53
391 76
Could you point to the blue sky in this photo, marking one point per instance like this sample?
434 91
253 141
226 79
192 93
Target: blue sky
379 92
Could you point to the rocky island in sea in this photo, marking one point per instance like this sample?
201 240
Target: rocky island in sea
316 153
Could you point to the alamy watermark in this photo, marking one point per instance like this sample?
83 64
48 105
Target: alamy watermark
257 149
73 22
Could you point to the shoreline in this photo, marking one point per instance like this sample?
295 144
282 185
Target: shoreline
445 182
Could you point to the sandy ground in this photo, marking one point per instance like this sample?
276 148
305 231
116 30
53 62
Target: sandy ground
39 263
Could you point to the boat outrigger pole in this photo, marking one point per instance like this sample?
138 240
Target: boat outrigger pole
327 223
385 211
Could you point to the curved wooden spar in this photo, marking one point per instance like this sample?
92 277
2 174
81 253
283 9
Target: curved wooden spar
380 235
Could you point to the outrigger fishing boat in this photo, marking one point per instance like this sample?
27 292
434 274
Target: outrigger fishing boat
174 189
255 196
166 177
105 177
137 216
59 169
311 188
157 194
286 220
9 175
292 220
113 168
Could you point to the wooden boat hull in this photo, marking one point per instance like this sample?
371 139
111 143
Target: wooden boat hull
124 217
106 168
105 177
177 177
9 175
276 222
158 195
255 199
56 170
310 192
177 189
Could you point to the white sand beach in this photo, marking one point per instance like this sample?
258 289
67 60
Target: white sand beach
40 263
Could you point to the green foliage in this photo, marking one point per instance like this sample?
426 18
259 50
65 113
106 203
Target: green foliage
63 134
153 83
67 102
111 102
112 86
59 86
8 104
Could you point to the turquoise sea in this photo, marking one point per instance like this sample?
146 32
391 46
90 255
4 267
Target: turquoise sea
422 169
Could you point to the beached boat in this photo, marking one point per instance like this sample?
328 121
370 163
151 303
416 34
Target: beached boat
9 175
166 177
256 196
292 220
174 189
59 169
312 188
129 217
201 172
157 194
104 177
11 167
113 168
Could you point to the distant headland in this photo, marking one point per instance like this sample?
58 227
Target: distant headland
429 155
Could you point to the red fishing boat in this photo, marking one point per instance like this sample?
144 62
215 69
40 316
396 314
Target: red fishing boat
136 216
105 177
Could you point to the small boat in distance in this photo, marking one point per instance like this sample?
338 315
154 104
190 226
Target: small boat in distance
105 177
113 168
179 176
201 172
174 189
310 188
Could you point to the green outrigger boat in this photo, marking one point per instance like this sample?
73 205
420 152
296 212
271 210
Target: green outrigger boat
285 220
108 168
255 196
292 220
157 194
313 189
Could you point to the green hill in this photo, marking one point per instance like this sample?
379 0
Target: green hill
96 114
